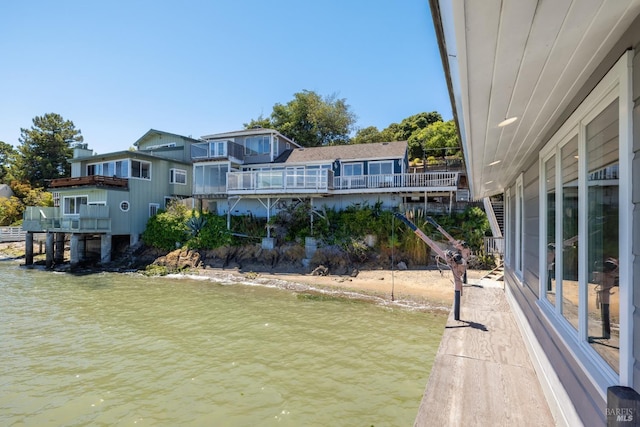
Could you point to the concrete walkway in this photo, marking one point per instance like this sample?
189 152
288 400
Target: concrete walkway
482 374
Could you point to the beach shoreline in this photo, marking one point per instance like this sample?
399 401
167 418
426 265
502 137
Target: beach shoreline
423 288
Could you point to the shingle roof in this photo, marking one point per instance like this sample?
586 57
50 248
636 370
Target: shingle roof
378 150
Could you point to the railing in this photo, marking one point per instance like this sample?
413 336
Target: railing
92 218
439 180
494 245
211 150
282 180
97 180
261 181
12 234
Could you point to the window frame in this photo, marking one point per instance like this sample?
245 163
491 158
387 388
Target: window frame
615 85
174 172
76 204
148 178
153 209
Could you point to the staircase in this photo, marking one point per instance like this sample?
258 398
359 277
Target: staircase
497 274
494 208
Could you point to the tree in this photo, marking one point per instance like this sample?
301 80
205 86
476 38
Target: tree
367 135
11 208
45 149
311 120
7 159
438 139
408 127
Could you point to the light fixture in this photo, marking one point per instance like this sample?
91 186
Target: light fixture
488 182
508 121
495 162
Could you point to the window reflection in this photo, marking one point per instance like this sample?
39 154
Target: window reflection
602 234
569 248
550 179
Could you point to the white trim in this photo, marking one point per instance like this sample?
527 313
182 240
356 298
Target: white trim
625 224
519 242
615 85
507 227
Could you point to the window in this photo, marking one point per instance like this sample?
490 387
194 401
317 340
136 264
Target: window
140 169
210 179
178 176
381 168
256 145
587 284
118 168
352 169
153 209
124 206
72 204
56 199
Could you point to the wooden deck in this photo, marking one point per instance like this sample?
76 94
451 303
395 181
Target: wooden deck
482 374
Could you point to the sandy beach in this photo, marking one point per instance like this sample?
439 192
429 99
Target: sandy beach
426 288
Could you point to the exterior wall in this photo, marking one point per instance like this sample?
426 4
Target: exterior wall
636 215
583 399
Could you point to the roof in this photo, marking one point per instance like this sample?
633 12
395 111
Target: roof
153 132
126 154
528 60
249 132
373 151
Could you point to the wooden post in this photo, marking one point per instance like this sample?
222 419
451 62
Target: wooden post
49 250
58 256
28 249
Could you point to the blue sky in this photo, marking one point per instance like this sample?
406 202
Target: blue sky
119 68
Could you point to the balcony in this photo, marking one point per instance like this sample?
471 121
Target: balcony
91 180
91 219
428 181
279 182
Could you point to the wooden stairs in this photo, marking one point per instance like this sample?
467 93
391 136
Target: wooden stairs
497 274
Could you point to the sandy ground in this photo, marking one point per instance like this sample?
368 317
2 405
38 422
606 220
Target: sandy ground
428 288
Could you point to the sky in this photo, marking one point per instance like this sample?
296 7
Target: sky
193 67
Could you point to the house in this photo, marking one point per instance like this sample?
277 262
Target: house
110 197
258 171
546 99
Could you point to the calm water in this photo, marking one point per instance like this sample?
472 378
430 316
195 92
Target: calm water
117 349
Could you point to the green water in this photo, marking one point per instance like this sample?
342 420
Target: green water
118 349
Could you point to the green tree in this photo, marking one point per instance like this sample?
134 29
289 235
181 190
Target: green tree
408 128
367 135
11 208
7 159
439 139
45 149
311 120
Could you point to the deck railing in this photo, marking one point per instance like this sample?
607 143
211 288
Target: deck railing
91 218
283 181
494 245
97 180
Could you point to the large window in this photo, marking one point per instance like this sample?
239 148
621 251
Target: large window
210 179
117 168
381 168
586 267
71 205
256 145
140 169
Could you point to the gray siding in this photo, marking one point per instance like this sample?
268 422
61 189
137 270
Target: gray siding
531 228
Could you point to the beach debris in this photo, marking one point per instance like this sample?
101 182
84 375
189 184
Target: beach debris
401 265
320 270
